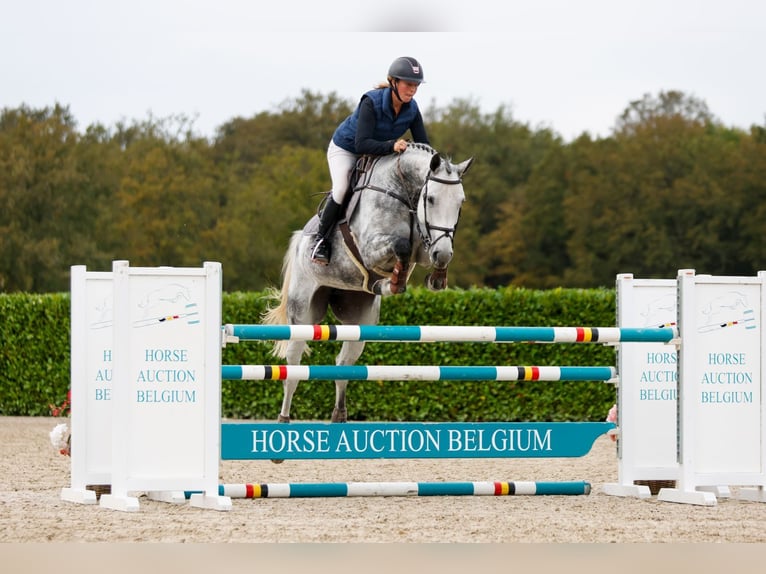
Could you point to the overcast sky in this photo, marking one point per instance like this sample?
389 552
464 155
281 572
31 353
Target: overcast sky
570 65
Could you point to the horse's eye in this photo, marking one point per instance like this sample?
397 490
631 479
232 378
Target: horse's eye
431 200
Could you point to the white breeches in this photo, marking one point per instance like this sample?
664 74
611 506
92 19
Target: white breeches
341 164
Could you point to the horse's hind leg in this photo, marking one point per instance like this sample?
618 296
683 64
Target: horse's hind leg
294 348
307 309
289 386
351 307
294 352
349 354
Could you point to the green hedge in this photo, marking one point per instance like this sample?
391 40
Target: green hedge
34 353
34 365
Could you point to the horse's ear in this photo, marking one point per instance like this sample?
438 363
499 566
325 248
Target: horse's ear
436 161
463 167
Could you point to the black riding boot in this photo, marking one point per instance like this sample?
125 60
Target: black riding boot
320 253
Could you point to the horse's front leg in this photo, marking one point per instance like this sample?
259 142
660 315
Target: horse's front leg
349 354
398 281
397 249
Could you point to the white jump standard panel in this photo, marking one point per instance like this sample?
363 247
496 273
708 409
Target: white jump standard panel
646 398
166 385
91 376
721 373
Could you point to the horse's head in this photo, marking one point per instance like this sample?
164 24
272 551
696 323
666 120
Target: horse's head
439 205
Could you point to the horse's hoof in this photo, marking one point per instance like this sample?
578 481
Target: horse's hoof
436 281
339 416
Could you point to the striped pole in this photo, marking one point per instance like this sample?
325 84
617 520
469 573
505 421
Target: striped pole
413 373
354 489
467 334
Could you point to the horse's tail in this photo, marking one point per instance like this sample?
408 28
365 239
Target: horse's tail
276 311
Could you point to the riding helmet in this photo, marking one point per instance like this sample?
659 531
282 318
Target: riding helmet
407 69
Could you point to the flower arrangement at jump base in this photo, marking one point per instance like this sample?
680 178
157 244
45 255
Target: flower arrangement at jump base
61 437
612 418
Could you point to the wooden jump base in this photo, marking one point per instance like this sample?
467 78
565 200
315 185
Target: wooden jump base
378 489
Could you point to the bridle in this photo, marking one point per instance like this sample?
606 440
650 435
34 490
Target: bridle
448 232
425 237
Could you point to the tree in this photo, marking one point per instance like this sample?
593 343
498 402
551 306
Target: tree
168 201
505 153
654 198
39 190
669 188
308 121
748 226
530 248
262 213
645 112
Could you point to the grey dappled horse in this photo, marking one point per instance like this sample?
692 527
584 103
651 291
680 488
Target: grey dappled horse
403 212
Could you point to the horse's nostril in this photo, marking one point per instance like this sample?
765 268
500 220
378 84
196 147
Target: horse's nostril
443 256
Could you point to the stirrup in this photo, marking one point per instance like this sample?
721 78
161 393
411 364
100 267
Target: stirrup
321 252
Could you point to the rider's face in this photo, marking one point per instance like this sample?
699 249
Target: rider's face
407 90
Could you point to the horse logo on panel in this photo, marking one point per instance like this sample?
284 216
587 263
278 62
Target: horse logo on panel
660 312
728 310
168 302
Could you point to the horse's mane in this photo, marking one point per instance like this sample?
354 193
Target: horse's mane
421 146
430 150
411 157
427 148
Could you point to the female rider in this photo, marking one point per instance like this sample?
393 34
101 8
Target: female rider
382 117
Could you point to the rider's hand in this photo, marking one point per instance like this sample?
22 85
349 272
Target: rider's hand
400 146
